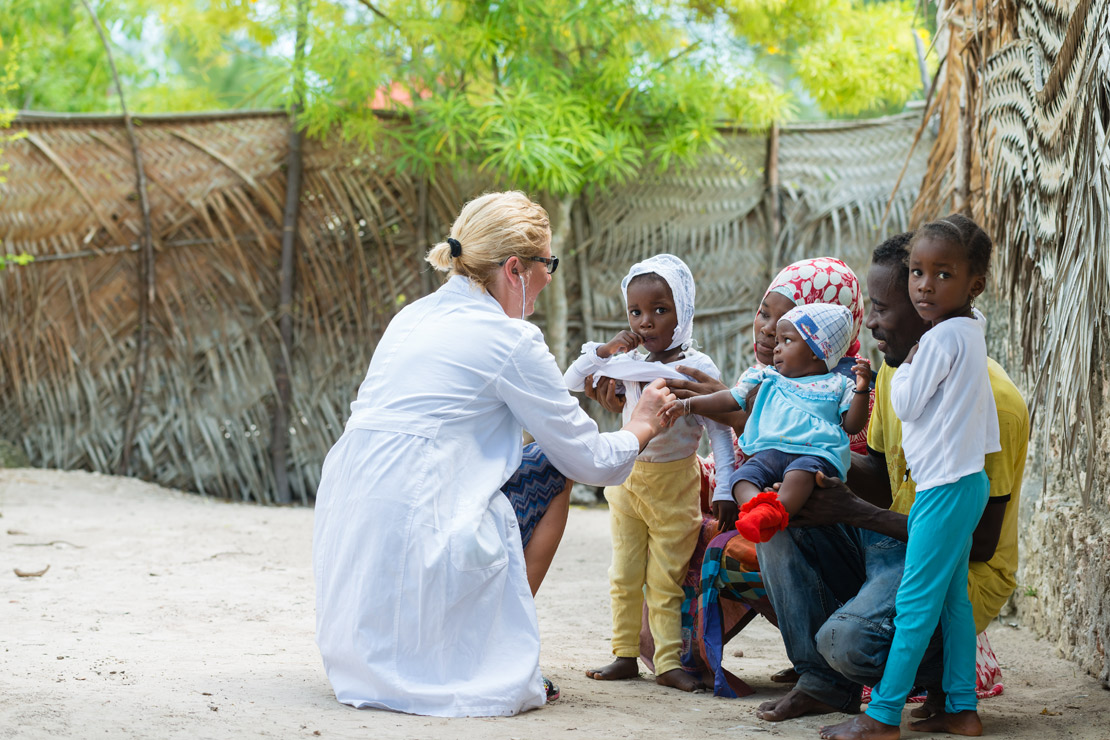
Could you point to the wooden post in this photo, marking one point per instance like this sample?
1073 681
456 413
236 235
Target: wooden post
146 264
426 279
294 168
774 209
966 137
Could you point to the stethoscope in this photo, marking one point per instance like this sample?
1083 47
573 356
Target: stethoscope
523 296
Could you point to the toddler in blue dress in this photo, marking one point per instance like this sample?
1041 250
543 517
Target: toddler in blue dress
800 420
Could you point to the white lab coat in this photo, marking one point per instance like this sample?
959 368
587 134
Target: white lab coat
422 600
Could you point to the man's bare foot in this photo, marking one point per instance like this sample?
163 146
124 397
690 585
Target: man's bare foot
961 723
934 704
679 679
861 727
794 704
786 675
615 671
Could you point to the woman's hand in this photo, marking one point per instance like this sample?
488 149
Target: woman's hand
645 421
605 393
625 341
701 385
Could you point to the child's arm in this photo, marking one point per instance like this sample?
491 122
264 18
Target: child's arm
724 457
912 386
855 418
715 403
594 357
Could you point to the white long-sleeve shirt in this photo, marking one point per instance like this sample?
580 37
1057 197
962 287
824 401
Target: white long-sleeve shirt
422 599
680 440
945 403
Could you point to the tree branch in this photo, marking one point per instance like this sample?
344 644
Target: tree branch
370 6
146 262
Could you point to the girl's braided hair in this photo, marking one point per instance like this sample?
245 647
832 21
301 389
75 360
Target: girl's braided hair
959 229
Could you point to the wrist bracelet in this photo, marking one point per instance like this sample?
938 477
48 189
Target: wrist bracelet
859 392
685 406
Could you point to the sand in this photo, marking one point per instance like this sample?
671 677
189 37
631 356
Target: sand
164 614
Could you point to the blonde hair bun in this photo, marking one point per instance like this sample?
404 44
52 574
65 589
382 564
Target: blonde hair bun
490 229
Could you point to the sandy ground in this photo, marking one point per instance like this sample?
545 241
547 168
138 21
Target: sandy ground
166 615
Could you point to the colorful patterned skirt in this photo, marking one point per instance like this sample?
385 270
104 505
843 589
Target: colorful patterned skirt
532 488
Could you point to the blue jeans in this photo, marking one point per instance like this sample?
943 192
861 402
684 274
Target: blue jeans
833 590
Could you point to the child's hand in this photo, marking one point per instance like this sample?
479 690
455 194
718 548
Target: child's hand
726 513
625 341
862 369
673 411
909 357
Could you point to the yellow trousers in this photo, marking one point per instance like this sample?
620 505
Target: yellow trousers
655 518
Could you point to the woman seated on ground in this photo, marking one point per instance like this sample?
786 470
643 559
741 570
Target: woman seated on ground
431 535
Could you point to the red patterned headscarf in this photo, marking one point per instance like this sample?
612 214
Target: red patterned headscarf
823 280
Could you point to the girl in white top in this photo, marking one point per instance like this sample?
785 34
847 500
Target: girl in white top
655 515
942 395
423 599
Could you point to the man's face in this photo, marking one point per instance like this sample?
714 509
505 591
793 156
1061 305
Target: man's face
893 321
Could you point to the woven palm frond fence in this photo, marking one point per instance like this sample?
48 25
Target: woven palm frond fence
1023 105
216 185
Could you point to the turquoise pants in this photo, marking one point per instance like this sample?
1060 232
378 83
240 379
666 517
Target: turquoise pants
934 588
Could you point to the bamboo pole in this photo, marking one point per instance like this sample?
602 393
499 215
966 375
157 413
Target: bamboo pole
146 263
279 438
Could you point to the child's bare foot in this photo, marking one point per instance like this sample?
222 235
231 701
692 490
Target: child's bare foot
794 704
934 704
615 671
679 679
861 727
961 723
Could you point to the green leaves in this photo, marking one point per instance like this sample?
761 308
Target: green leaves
550 95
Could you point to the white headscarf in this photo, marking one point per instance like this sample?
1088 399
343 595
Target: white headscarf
681 283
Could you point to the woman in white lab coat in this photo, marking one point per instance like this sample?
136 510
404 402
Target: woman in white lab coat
423 588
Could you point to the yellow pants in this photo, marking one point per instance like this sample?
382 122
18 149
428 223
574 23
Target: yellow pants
655 518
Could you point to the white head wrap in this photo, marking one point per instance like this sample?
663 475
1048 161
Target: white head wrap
681 283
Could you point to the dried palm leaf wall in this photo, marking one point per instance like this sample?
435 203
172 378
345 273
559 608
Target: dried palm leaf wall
1024 108
216 186
834 183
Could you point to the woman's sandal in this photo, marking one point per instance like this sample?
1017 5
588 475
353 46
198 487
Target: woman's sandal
551 689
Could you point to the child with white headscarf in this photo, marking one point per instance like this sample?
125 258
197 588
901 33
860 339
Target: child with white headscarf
655 515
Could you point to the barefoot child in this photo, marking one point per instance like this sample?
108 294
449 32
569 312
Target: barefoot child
800 419
942 395
655 515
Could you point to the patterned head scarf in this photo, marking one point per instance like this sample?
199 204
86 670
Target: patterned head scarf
826 327
823 280
681 283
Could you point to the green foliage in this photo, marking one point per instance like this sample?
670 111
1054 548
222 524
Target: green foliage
849 56
555 96
7 115
552 95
